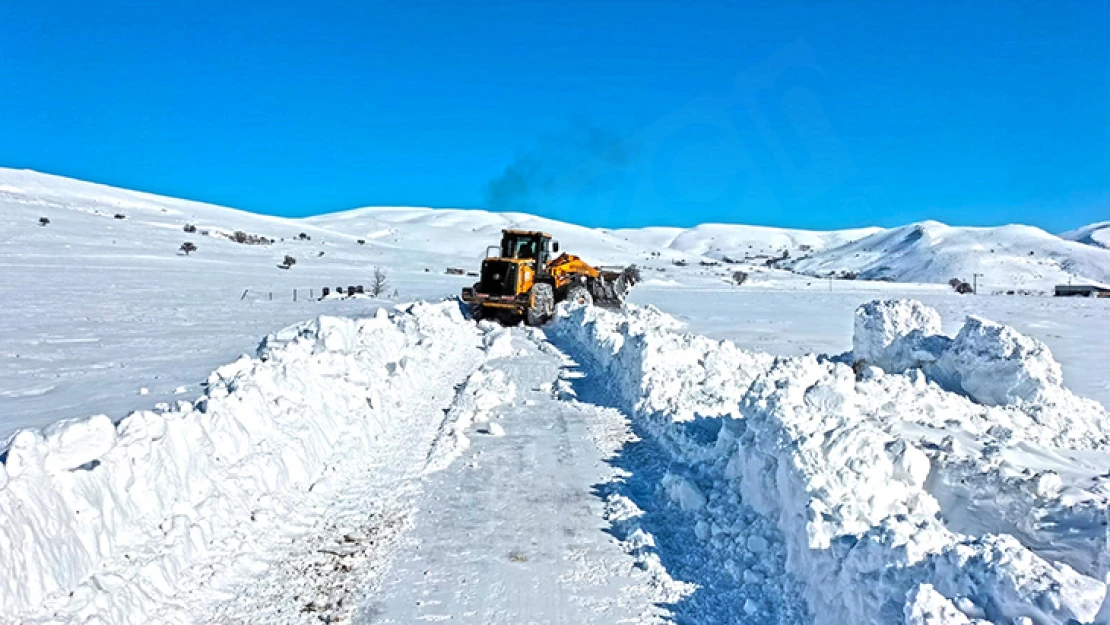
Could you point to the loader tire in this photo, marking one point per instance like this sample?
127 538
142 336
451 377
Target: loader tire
543 305
580 296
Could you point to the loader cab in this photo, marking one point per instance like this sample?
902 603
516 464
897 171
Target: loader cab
528 245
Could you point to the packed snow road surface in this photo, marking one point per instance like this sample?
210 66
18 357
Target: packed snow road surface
415 466
511 531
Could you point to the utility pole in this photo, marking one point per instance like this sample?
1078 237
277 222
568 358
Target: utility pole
975 283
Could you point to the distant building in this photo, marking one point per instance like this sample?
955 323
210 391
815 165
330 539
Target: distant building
1081 290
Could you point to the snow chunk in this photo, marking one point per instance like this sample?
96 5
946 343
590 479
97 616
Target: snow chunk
62 446
491 428
498 343
926 606
894 335
71 444
683 492
996 365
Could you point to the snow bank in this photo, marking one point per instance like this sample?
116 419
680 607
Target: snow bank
839 463
990 363
160 487
655 368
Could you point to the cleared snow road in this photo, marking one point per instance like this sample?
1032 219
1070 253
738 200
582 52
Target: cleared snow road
513 531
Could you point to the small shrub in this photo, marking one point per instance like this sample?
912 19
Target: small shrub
304 237
964 288
188 248
246 238
43 221
120 216
190 228
362 241
739 277
955 282
288 262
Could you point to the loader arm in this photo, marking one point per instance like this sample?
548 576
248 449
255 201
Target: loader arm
566 266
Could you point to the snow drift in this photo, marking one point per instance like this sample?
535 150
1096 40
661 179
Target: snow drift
162 486
844 465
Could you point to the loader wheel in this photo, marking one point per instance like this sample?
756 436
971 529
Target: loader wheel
580 296
543 305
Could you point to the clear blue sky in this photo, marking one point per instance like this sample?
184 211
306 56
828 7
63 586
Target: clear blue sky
619 113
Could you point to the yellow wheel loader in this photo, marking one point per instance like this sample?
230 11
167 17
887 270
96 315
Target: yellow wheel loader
521 280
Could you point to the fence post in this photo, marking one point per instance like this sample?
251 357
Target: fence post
271 296
244 295
294 295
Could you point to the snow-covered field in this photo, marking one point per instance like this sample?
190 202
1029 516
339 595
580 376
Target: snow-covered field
792 450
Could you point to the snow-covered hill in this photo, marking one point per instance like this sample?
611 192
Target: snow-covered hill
1096 234
466 233
741 243
1005 257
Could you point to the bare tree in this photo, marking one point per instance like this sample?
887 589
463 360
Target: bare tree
188 248
378 283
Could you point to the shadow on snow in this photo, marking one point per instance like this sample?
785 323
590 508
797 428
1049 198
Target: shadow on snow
734 585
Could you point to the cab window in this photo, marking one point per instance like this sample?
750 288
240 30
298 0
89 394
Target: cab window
520 248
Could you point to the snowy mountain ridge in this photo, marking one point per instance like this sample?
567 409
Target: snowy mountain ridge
1011 256
1005 257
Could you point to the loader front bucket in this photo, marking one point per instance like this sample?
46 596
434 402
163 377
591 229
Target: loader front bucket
610 288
